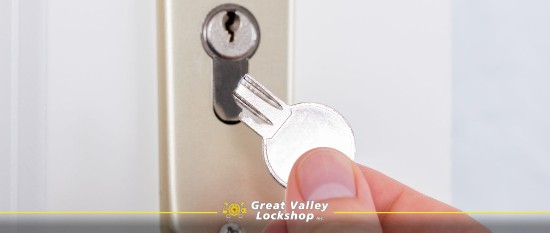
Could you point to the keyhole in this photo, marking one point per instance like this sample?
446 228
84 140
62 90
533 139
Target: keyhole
232 22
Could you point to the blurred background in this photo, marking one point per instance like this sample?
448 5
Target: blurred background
450 97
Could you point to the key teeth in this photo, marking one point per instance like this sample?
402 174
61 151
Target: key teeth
243 103
260 91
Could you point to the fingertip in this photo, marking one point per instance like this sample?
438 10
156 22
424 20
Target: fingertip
322 174
326 175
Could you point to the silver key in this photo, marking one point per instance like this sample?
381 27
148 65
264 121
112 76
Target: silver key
290 131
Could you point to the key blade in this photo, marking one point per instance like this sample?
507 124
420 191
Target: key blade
261 110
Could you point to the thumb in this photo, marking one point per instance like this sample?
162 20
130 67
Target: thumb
325 175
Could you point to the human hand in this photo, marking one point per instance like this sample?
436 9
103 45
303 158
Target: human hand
328 176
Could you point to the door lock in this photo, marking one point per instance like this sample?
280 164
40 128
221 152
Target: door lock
230 36
204 162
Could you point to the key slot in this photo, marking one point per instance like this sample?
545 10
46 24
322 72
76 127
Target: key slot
232 23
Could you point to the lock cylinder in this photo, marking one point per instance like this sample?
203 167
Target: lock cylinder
230 32
230 36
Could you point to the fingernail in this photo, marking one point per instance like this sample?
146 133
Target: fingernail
326 174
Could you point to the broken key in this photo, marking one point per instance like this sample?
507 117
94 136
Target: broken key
288 131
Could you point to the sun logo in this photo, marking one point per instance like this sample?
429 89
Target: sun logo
233 209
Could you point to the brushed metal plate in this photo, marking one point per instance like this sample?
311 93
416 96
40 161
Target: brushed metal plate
204 162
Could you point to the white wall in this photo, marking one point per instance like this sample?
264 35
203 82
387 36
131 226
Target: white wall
386 66
501 105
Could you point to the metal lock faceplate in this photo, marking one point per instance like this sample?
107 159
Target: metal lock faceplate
203 161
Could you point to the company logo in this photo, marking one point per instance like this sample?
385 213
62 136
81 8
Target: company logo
234 210
294 210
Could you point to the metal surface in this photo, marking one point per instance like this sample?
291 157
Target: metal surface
231 227
230 32
230 35
226 75
203 161
290 131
